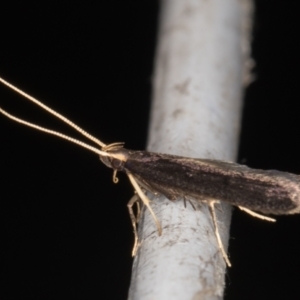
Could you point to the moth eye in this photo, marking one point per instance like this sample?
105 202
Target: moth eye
116 164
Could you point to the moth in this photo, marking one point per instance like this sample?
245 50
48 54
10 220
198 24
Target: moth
205 180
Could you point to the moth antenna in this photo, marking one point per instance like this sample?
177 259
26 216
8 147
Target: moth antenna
51 111
61 135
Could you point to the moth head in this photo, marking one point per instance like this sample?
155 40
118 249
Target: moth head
115 158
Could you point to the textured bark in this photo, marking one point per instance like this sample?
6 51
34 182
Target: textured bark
202 65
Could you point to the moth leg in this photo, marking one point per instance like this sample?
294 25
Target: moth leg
189 201
138 210
145 200
135 198
254 214
211 205
219 207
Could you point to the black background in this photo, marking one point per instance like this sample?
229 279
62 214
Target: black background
67 233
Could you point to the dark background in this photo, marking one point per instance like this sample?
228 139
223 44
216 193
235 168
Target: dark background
67 233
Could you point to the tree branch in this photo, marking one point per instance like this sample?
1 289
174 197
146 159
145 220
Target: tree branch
200 70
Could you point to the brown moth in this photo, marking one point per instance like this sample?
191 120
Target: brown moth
205 180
